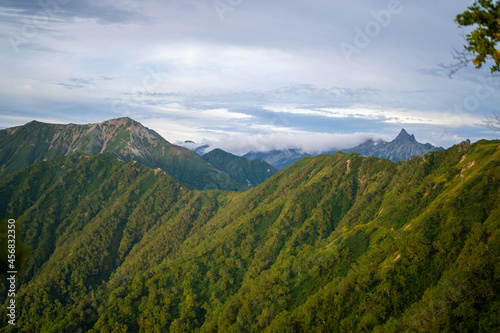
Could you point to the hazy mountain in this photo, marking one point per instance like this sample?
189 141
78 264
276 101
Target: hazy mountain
124 137
198 148
401 148
202 150
333 243
278 158
244 171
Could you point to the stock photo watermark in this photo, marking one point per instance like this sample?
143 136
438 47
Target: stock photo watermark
482 92
33 25
463 112
152 79
222 7
364 36
12 272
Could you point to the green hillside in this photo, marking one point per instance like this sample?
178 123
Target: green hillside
127 139
337 243
246 172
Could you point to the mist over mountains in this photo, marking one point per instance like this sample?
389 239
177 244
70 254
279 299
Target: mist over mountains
333 243
305 207
113 240
403 147
131 141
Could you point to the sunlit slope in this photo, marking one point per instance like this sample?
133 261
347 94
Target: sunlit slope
127 139
242 170
331 244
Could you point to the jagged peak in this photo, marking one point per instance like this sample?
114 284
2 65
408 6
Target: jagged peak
404 136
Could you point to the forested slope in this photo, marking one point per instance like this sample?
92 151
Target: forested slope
127 139
242 170
331 244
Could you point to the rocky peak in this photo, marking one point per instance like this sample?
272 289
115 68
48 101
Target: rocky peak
404 136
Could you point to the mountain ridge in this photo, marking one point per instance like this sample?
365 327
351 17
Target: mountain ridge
244 171
417 241
403 147
126 138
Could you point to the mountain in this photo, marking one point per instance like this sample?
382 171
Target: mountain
403 147
242 170
124 137
201 150
198 148
400 149
333 243
278 158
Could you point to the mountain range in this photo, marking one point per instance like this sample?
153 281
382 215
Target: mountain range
128 140
333 243
279 158
401 148
131 141
107 241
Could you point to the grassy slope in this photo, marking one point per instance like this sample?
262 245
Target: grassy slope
22 146
244 171
332 243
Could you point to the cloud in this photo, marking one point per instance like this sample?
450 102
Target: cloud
312 143
103 11
265 68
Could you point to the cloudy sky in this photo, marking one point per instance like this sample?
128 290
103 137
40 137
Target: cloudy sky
245 74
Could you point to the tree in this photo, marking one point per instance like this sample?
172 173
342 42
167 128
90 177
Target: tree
484 39
494 122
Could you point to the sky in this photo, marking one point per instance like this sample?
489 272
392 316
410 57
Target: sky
246 75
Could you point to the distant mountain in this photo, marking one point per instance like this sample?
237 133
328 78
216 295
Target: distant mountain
334 243
401 148
278 158
241 169
198 148
202 150
125 138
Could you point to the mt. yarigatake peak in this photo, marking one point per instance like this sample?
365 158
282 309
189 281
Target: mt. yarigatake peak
404 136
403 147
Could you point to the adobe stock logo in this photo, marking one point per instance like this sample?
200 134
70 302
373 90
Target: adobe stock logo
224 6
372 29
33 25
151 80
466 112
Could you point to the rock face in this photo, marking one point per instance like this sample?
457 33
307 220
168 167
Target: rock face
401 148
127 139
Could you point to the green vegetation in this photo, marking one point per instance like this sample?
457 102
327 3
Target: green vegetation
242 170
336 243
483 40
125 138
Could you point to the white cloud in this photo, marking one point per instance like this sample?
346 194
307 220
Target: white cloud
176 66
307 142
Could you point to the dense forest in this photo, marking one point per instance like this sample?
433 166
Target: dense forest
333 243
